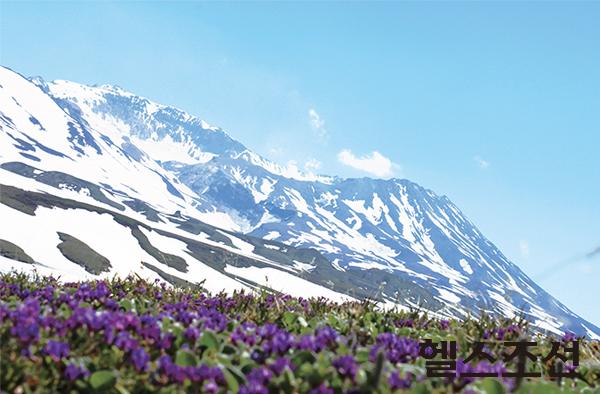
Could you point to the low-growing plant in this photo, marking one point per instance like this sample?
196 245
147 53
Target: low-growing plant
131 336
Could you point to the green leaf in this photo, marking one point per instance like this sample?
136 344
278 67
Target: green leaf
177 331
333 321
224 359
228 349
315 378
234 377
492 386
103 380
232 383
289 378
185 359
121 389
303 357
362 356
81 385
288 318
420 388
404 331
210 340
126 304
377 370
361 377
542 388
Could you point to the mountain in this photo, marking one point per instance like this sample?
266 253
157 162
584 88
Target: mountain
143 187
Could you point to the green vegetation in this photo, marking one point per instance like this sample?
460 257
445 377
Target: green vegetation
12 251
81 254
131 336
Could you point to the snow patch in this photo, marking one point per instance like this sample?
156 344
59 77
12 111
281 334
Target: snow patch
465 266
286 283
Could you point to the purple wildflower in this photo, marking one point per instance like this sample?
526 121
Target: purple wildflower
210 387
267 331
397 349
280 343
140 359
125 342
246 333
258 356
321 389
56 350
346 366
260 374
25 321
405 323
280 365
191 334
166 341
254 388
463 368
569 337
74 372
396 382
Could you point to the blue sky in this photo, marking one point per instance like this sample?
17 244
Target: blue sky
496 105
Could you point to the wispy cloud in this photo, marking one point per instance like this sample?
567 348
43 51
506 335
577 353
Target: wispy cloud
317 124
481 162
276 151
312 165
374 163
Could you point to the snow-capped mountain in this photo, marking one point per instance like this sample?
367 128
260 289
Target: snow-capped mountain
171 184
81 201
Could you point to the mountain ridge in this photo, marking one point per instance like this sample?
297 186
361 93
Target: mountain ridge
393 233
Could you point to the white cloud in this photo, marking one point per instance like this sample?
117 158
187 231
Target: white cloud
276 151
291 167
317 123
481 162
374 163
524 248
312 165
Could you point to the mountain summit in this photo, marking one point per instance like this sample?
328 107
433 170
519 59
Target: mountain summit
97 181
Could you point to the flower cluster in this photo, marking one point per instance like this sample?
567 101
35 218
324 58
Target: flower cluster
397 349
141 337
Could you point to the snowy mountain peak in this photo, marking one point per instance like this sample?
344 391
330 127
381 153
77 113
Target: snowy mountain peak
169 177
165 133
291 170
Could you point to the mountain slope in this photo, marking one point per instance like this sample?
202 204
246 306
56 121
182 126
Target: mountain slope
79 202
389 239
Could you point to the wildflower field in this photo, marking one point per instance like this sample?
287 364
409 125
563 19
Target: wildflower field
131 336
